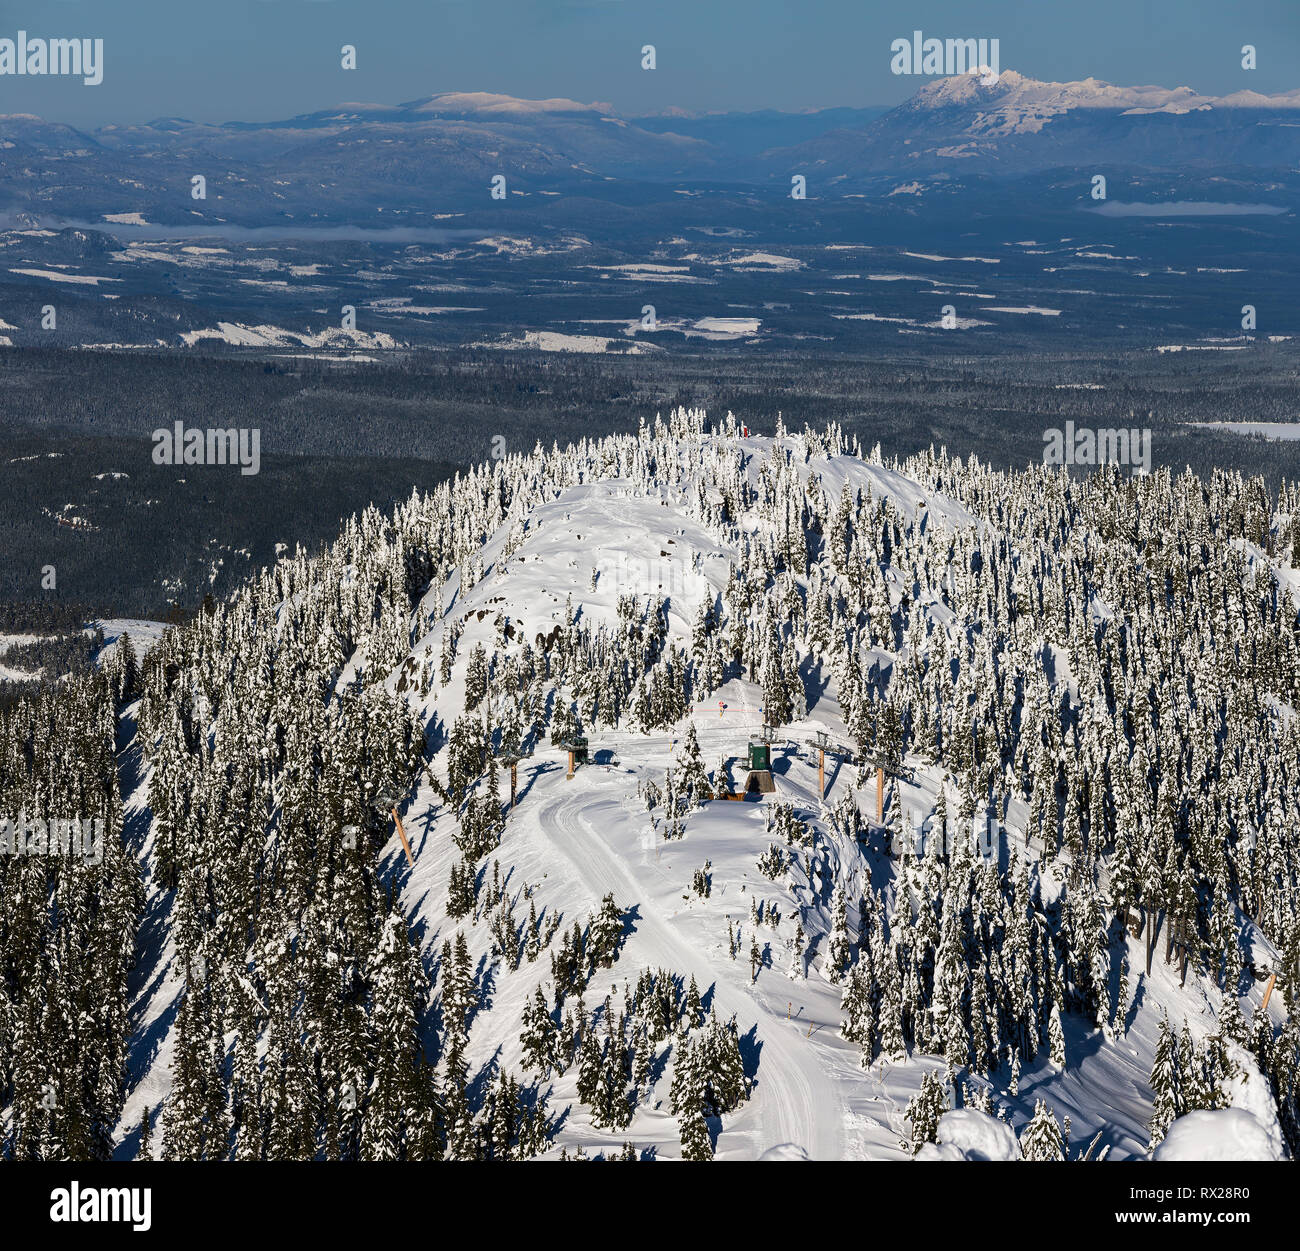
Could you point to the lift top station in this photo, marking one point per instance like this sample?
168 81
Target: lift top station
759 781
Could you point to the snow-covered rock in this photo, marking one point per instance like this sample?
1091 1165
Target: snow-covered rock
969 1134
1249 1092
1226 1134
784 1151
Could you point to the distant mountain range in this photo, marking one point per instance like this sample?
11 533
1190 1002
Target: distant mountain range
1019 125
408 161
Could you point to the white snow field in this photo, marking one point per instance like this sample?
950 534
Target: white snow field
571 840
239 335
144 634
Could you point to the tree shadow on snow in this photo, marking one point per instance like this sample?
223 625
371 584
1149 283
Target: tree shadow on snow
477 1086
485 978
129 1147
526 786
1138 996
145 1047
659 1065
815 682
751 1048
631 915
149 942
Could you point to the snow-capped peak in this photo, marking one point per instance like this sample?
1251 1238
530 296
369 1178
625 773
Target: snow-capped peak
493 103
1011 102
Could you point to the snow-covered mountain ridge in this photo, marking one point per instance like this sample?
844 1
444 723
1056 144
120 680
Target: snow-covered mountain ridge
626 962
1014 94
566 565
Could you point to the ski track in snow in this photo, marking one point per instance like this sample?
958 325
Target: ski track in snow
791 1085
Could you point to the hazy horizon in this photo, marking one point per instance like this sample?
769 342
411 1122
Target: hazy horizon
274 59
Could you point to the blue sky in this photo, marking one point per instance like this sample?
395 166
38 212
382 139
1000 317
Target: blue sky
227 60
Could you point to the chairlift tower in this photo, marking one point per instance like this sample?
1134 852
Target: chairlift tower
1276 971
512 758
577 749
884 770
388 803
823 744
